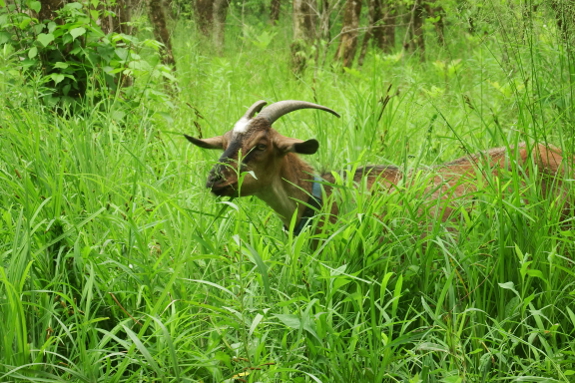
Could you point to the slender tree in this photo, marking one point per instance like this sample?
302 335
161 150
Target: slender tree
349 33
436 11
122 11
414 34
48 8
210 18
303 34
377 22
220 10
381 27
417 27
203 12
373 18
158 19
385 30
275 7
325 10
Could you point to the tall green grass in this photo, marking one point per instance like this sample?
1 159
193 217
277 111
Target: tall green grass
116 264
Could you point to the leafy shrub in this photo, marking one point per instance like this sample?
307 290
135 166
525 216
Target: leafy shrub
73 54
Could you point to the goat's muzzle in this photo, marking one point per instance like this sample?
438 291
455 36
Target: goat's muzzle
219 185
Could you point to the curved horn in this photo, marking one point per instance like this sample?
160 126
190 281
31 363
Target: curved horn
255 108
281 108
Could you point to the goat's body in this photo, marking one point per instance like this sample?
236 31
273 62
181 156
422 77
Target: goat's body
447 186
275 173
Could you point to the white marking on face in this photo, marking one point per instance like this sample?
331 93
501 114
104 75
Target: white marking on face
242 125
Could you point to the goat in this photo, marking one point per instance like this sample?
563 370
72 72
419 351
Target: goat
277 175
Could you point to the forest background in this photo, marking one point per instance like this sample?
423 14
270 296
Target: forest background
117 265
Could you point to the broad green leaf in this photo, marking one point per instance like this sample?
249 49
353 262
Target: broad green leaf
453 379
57 77
512 306
25 22
536 273
2 3
73 6
4 37
77 32
223 357
35 5
37 28
61 65
118 115
169 76
140 65
290 320
45 38
33 52
122 53
508 286
28 63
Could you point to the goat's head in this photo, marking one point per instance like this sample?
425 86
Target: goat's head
255 148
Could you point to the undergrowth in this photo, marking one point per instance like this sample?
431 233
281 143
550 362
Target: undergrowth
117 265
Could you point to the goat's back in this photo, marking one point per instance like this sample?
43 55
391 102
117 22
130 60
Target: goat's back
448 186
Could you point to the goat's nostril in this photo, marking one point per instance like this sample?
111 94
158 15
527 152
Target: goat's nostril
214 177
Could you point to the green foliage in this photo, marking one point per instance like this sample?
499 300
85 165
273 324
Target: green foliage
117 265
75 59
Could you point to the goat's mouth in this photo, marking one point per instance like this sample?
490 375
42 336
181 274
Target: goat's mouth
224 190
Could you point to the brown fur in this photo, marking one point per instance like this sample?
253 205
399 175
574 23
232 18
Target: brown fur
453 181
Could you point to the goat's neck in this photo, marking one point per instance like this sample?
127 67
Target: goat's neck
292 184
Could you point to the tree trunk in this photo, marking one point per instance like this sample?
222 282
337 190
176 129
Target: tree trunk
387 42
161 33
220 11
304 20
373 18
325 21
376 7
434 12
118 24
275 12
440 25
48 9
418 41
414 35
106 20
204 16
123 10
349 32
303 34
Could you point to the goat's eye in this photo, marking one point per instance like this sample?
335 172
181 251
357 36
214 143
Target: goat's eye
261 147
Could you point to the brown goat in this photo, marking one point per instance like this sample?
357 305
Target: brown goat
276 174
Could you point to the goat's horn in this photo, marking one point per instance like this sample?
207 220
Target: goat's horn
255 108
281 108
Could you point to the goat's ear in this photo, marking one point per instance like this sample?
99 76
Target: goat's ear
208 143
287 145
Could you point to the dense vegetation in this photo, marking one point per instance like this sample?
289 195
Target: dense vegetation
117 265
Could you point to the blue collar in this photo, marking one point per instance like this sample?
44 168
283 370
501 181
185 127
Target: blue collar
314 204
